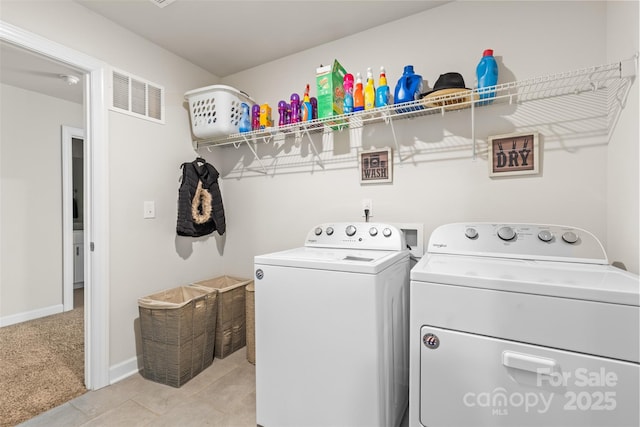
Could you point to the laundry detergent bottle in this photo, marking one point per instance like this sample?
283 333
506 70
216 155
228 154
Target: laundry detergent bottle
487 74
282 113
245 119
408 87
358 95
295 108
348 93
306 109
382 92
255 117
369 92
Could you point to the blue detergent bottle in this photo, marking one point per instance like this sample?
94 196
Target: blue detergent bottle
408 87
382 92
245 120
487 74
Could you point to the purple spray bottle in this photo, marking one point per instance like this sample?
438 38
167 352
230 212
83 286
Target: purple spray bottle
282 111
255 117
295 108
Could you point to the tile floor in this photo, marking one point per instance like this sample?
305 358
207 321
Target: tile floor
221 395
224 394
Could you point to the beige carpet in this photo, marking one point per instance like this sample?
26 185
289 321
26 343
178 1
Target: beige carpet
41 365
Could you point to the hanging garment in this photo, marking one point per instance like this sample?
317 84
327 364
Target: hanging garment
200 209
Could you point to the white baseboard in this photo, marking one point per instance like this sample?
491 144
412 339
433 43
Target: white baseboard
124 369
30 315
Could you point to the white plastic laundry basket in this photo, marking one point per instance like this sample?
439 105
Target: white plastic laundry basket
215 110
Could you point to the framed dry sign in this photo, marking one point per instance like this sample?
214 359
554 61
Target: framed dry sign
376 166
514 154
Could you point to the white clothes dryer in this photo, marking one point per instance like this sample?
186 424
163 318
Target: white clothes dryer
332 329
522 325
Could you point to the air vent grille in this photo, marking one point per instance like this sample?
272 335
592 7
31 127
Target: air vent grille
120 91
137 97
155 96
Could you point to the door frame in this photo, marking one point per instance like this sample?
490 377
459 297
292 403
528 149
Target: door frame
96 236
69 133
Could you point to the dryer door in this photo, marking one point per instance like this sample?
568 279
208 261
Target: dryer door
468 379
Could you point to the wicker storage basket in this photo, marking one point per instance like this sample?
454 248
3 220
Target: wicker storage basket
216 110
178 333
251 322
231 323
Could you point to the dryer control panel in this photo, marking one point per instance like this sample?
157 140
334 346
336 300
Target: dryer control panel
521 241
359 235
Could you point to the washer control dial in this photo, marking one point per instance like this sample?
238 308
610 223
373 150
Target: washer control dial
570 237
350 230
329 231
506 233
318 231
386 232
373 231
545 235
471 233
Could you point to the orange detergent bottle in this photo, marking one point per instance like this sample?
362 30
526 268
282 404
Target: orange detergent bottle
358 96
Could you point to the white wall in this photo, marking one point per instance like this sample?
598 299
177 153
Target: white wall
439 183
623 233
31 191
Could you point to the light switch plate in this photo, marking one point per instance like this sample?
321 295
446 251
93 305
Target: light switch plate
149 209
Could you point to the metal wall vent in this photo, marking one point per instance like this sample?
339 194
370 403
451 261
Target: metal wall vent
137 97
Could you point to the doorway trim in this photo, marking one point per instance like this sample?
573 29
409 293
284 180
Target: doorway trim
96 204
69 133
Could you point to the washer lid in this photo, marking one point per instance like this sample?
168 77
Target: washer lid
347 260
591 282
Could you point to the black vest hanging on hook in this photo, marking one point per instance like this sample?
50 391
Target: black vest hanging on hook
200 209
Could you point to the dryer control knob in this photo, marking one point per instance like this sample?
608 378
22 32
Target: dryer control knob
506 233
350 230
373 231
545 235
318 231
386 232
329 231
570 237
471 233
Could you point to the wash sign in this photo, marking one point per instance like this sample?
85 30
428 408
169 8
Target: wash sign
376 166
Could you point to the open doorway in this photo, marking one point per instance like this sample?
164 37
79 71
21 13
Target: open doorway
73 196
96 214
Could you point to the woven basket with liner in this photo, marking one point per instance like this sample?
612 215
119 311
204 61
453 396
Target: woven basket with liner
178 333
251 323
231 323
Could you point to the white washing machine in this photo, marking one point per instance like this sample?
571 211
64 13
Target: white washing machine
522 325
332 329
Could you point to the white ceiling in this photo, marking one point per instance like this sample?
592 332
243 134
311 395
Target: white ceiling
37 73
225 37
221 36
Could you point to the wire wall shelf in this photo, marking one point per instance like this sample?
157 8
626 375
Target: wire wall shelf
616 78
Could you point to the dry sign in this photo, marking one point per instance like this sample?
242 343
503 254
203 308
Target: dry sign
514 154
376 166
